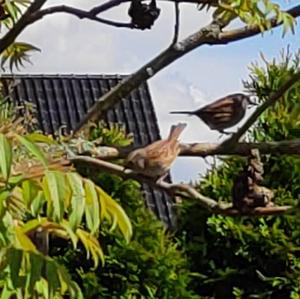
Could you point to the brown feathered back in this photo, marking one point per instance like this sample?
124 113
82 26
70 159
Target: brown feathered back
155 159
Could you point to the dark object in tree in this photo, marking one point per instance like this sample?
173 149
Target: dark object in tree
143 15
246 192
223 113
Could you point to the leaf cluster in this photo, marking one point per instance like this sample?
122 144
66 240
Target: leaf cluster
251 12
41 198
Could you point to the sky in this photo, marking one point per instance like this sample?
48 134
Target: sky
72 46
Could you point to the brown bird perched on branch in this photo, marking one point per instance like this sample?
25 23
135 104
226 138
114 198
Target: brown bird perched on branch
223 113
155 159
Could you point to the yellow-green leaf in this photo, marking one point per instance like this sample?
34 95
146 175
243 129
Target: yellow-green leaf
118 214
77 199
30 190
33 149
92 209
33 224
22 241
3 196
5 156
54 190
66 226
91 246
41 138
37 203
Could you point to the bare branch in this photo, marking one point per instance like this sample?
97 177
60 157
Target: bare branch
182 190
259 211
210 34
128 173
81 14
106 6
269 102
177 20
289 147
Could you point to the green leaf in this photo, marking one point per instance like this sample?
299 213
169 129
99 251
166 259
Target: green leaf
5 156
55 190
92 246
66 226
37 203
52 278
77 199
6 293
17 54
33 224
41 138
22 241
33 149
30 190
35 272
118 214
3 197
16 179
92 209
11 9
15 259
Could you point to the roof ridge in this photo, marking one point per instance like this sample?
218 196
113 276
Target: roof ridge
69 75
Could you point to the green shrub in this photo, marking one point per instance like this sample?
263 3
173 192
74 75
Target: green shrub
243 257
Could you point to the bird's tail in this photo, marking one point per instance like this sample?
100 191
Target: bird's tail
176 130
182 112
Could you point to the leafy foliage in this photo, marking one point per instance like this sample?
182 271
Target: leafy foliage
40 197
150 266
16 54
113 135
251 13
248 257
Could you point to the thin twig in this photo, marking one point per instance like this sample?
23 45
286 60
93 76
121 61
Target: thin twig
81 14
177 20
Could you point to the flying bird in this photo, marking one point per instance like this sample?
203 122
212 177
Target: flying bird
223 113
155 159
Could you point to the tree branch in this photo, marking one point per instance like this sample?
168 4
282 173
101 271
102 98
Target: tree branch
24 21
177 20
182 190
113 3
288 147
275 96
210 34
81 14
